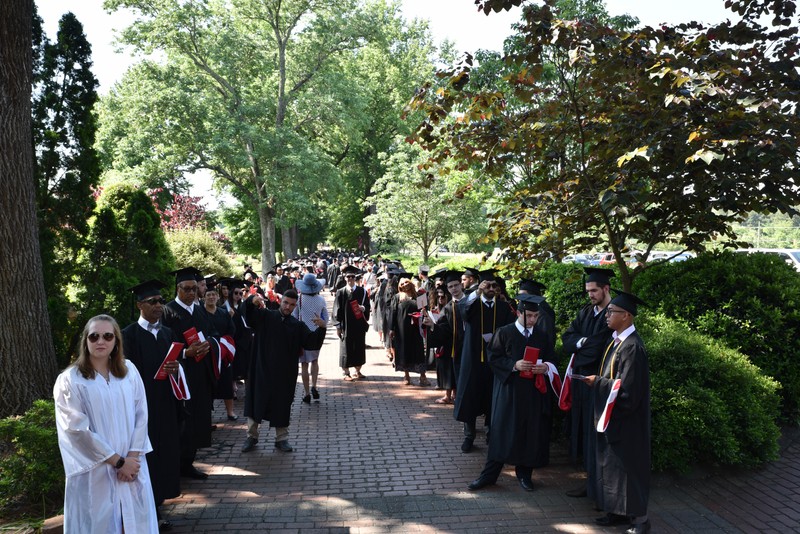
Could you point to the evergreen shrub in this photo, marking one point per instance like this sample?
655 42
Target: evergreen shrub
751 302
31 471
709 404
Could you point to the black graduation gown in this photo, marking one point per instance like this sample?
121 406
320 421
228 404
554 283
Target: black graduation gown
243 337
282 284
274 363
353 349
623 450
332 275
586 362
475 379
223 324
448 333
199 375
522 416
409 349
163 409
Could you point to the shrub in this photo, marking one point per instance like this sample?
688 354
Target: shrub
750 302
197 248
31 471
710 405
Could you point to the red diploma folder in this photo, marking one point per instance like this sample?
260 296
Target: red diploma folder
531 355
356 309
191 336
172 354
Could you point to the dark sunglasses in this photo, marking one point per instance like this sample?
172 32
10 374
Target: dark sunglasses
94 337
155 300
237 292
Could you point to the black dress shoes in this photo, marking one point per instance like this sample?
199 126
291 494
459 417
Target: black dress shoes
249 444
609 520
639 528
193 472
480 483
233 417
315 393
164 526
283 446
307 399
526 484
466 445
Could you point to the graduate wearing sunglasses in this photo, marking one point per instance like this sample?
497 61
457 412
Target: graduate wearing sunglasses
101 418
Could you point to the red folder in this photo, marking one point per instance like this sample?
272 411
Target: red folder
191 336
172 354
531 355
356 309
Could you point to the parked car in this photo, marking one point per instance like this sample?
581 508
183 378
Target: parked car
583 259
789 255
607 259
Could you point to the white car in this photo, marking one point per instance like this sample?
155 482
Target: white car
789 255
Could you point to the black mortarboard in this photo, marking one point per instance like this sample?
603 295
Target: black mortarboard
271 273
351 269
147 289
231 282
452 276
599 276
488 274
187 273
210 280
532 287
440 273
627 301
527 302
475 273
424 269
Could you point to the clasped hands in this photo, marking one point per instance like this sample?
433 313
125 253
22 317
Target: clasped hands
535 368
130 470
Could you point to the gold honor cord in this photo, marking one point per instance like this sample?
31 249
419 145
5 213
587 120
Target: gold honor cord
613 361
494 324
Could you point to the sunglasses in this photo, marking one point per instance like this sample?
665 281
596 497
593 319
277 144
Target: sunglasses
94 337
237 292
155 300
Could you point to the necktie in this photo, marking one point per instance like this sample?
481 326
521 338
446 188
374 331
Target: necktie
526 333
152 328
490 304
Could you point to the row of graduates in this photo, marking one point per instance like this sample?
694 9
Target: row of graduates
481 338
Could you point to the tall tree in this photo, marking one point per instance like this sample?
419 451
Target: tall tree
415 212
240 85
27 358
66 166
668 134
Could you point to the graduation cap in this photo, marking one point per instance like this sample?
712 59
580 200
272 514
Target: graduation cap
440 273
351 269
210 280
487 275
147 289
187 273
528 302
452 276
531 287
277 266
599 276
271 273
627 301
474 273
424 269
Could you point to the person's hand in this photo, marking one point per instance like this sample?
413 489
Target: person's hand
589 380
483 285
258 301
524 365
391 334
427 321
362 308
129 471
197 349
171 367
231 312
317 320
339 332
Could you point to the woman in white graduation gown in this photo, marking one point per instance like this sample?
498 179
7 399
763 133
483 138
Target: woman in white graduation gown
101 416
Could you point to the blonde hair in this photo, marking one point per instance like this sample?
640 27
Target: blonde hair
116 364
407 286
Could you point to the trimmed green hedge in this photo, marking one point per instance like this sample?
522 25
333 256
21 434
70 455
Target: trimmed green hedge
31 471
751 302
710 405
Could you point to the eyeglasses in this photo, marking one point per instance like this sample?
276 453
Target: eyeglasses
192 289
94 337
237 292
611 312
152 301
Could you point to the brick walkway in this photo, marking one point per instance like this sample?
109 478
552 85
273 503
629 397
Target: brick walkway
379 456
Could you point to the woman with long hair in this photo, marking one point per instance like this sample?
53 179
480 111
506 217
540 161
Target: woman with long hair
409 349
101 418
445 370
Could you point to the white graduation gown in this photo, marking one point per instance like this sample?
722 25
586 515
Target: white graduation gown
96 419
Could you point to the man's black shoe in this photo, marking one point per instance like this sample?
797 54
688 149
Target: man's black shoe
609 520
581 492
283 446
249 444
480 483
640 528
526 484
466 445
164 526
193 472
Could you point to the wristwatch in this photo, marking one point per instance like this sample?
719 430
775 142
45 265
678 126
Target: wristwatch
120 463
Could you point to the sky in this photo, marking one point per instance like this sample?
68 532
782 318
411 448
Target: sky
456 20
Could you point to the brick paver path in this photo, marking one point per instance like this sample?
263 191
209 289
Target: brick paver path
379 456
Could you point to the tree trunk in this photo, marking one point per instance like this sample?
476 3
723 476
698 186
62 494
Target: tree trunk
267 238
27 357
294 234
286 241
